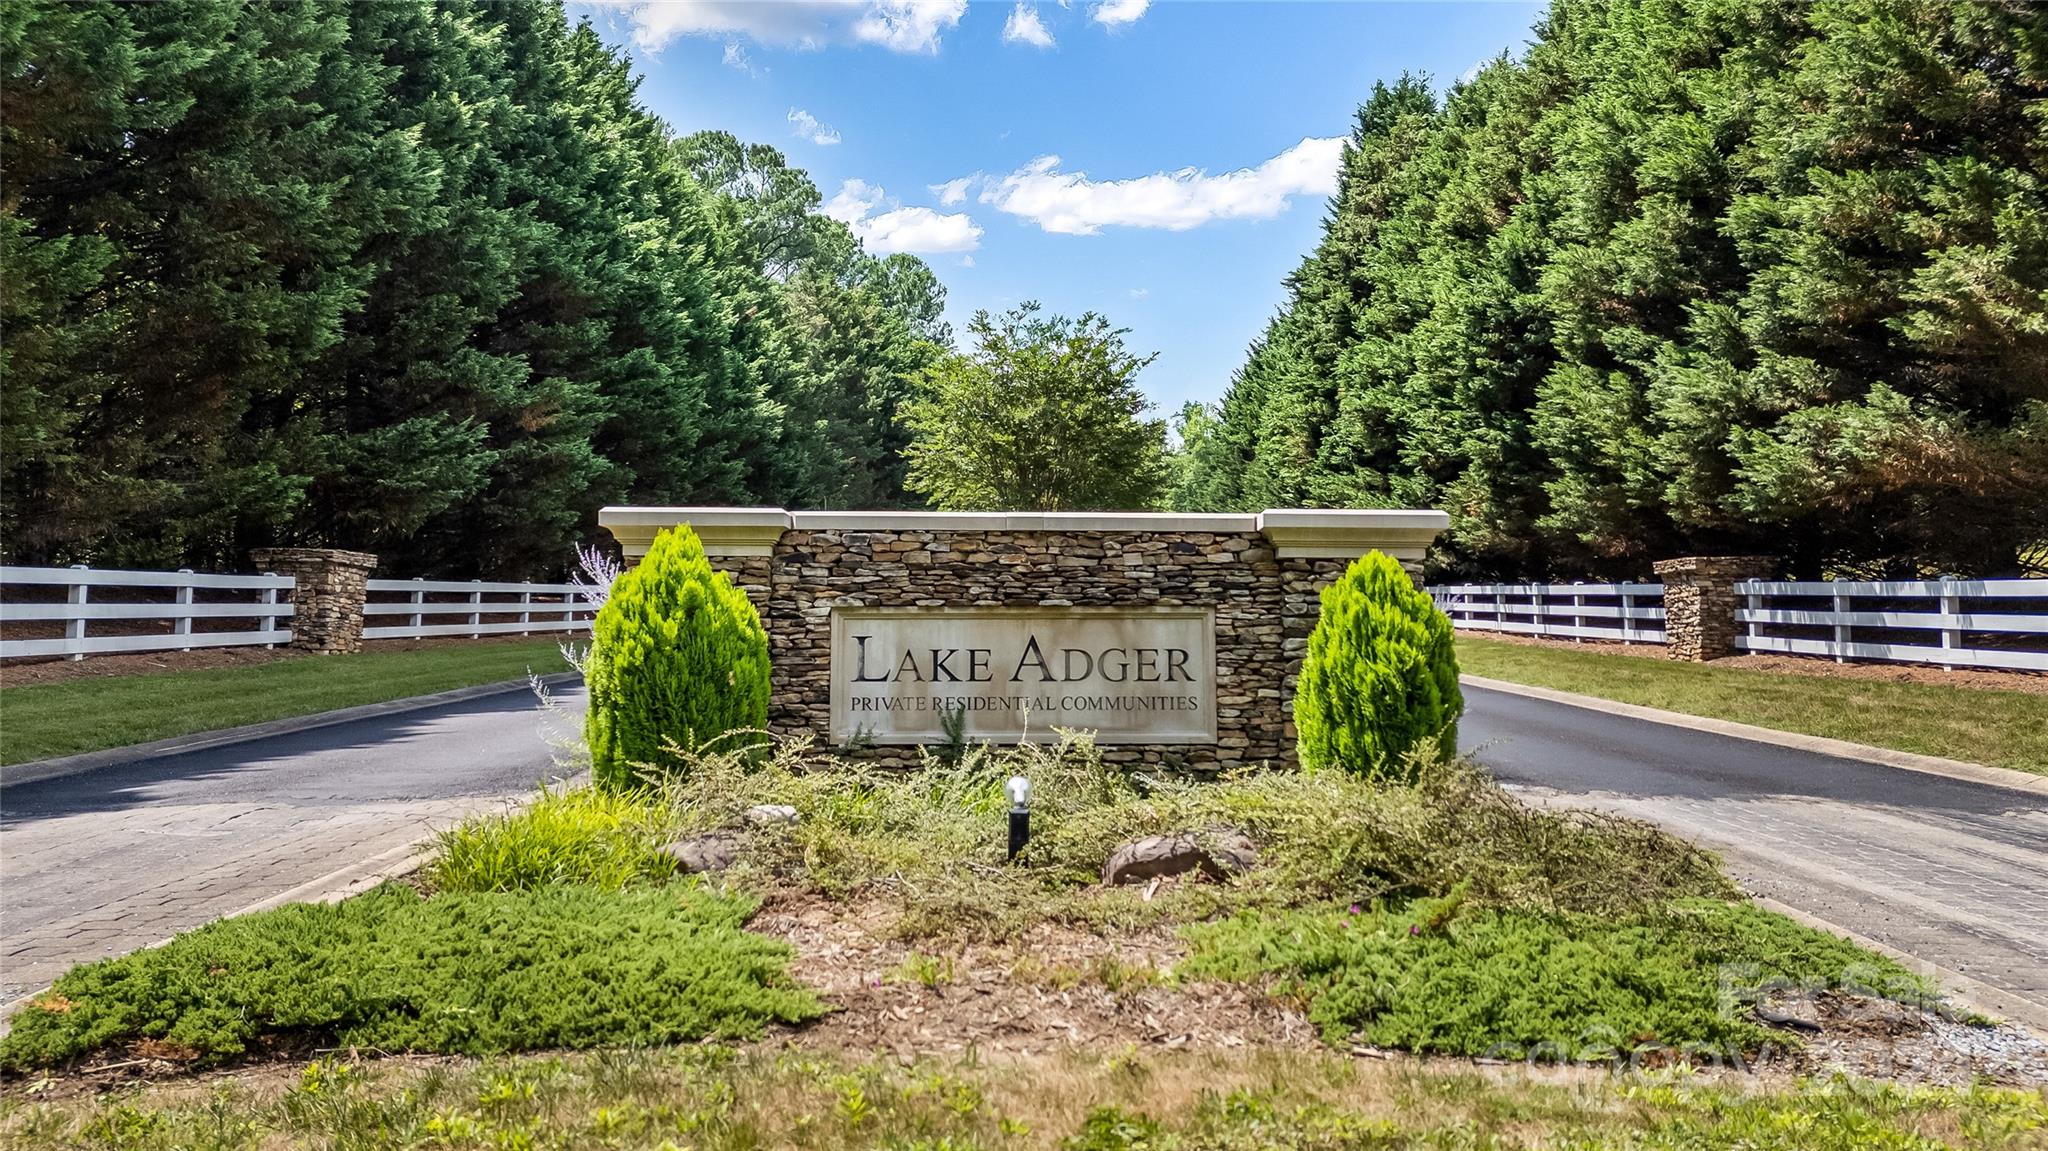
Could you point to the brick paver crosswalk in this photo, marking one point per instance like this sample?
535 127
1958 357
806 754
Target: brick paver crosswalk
110 860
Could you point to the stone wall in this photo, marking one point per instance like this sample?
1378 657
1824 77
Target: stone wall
1265 607
1259 574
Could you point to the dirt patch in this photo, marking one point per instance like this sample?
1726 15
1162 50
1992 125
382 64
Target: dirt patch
1592 646
1818 667
1978 679
1054 987
26 673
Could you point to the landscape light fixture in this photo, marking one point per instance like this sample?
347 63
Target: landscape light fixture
1019 791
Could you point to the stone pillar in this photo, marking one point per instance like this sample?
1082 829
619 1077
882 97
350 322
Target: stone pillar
1700 603
328 591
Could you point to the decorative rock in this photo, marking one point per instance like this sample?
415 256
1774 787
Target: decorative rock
766 813
1153 856
1794 1015
1232 850
714 851
1227 853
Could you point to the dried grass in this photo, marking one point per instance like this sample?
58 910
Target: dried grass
931 840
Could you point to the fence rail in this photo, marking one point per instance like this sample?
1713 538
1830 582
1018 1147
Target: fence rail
535 607
78 612
1628 612
72 612
1953 623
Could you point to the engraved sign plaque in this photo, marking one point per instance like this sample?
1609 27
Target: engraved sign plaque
1131 675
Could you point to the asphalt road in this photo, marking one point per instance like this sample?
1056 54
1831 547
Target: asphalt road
1951 872
120 857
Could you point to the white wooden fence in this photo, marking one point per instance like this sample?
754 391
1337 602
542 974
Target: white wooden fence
514 608
1627 612
1953 623
139 624
74 614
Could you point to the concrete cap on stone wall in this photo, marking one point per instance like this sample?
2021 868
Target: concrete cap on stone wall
1347 533
1294 532
724 531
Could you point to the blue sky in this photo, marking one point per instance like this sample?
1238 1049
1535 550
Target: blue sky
1195 141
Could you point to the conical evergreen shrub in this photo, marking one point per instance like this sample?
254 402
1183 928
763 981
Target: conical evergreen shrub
1380 677
676 653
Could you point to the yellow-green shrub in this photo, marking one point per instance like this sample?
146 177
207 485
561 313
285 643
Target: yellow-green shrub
1380 679
677 653
607 839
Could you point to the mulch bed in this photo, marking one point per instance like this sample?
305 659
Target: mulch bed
1819 667
25 673
1041 991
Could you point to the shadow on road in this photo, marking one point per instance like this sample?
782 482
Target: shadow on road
1575 749
479 746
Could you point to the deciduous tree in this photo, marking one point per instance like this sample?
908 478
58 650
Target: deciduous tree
1042 414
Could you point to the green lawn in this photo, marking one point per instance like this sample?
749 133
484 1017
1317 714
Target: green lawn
44 720
2002 728
714 1098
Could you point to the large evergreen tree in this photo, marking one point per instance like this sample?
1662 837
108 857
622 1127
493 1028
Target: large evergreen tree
1715 275
420 278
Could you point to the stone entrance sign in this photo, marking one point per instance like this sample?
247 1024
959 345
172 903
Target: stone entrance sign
1087 619
1131 675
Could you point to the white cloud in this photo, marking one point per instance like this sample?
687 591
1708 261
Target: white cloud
898 25
967 261
808 126
952 191
908 25
1139 293
1072 204
917 230
1024 27
1116 13
737 59
854 200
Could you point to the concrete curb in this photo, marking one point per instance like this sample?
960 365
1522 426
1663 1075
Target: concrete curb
17 773
1963 990
2004 777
